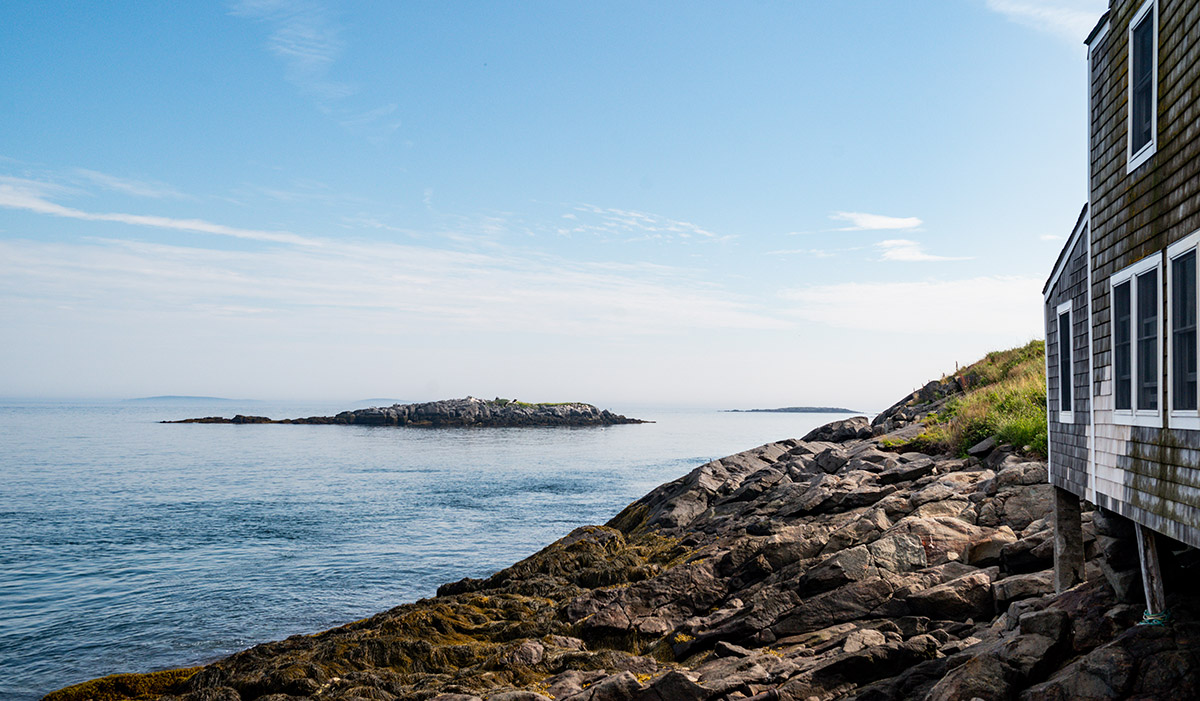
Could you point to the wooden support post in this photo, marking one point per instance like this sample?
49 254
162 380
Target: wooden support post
1156 600
1068 541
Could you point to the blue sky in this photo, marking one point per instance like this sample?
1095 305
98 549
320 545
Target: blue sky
700 203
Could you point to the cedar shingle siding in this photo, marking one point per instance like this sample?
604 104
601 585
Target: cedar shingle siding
1148 473
1069 441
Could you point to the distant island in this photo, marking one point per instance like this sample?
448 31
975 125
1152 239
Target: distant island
180 398
796 410
450 413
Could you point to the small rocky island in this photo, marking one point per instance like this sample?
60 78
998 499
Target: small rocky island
450 413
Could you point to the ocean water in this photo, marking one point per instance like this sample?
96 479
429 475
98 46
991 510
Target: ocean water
130 546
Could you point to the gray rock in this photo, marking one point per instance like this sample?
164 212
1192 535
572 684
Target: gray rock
1031 554
618 687
907 471
852 602
726 649
571 682
1051 623
1013 472
969 596
989 548
1024 505
528 653
865 638
944 538
1023 586
675 686
564 641
983 447
841 431
832 460
518 696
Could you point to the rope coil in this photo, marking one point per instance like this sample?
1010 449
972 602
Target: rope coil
1155 619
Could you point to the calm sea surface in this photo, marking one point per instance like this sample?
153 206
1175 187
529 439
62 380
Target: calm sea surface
128 545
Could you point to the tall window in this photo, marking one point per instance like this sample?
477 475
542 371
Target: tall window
1122 348
1183 331
1146 326
1064 359
1137 342
1183 335
1143 55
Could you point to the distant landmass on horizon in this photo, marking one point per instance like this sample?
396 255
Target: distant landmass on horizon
797 410
182 398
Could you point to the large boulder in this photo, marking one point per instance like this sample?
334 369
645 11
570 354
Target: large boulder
969 596
841 431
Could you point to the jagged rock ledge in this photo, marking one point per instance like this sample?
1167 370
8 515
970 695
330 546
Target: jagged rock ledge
449 413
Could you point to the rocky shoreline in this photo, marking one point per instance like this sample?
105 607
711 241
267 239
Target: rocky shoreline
450 413
837 566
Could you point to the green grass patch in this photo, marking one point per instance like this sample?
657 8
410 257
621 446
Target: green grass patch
1006 397
532 405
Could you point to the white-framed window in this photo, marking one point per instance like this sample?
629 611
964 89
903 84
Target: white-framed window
1182 352
1135 310
1066 380
1143 85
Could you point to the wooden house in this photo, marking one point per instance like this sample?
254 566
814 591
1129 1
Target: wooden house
1121 302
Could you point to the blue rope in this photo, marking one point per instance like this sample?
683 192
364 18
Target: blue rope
1155 619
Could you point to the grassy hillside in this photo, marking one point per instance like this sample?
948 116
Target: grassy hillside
1006 397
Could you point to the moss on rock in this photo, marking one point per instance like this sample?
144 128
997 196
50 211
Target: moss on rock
125 687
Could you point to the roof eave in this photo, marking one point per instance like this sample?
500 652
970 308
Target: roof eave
1097 29
1062 255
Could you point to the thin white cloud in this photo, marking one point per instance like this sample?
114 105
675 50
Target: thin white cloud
128 186
992 306
631 225
366 290
308 42
1051 237
33 197
861 221
906 251
1070 20
806 252
370 116
305 39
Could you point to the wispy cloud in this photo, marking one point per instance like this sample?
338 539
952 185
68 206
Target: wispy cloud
805 252
33 196
1051 237
368 289
1070 20
305 39
1007 306
631 225
907 251
128 186
372 117
308 42
302 190
861 221
506 288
